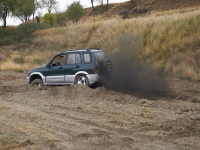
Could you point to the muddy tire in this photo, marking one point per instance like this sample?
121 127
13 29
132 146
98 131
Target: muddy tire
96 85
37 83
81 79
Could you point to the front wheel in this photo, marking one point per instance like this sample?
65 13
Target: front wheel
82 79
37 83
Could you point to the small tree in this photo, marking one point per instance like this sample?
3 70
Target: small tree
3 12
49 19
7 7
61 19
24 9
49 4
107 4
37 5
75 11
92 2
100 2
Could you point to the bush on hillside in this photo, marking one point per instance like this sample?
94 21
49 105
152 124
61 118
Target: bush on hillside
141 10
124 13
49 19
21 34
29 28
6 41
61 19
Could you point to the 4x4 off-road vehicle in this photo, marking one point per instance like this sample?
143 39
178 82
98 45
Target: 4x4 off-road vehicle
84 66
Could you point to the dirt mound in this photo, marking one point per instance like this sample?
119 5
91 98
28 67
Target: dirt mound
78 117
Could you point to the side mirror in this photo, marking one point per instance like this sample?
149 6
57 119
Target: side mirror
48 65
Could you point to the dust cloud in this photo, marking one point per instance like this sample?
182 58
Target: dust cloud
131 76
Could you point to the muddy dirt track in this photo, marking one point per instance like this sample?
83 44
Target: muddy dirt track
77 117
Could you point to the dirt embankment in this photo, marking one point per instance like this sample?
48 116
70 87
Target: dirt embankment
102 13
77 117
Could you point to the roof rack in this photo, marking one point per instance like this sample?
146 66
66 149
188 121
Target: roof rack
63 51
68 50
94 48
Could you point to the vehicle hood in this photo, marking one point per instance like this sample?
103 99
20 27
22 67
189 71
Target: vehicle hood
39 69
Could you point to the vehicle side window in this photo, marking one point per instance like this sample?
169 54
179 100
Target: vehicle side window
73 58
87 58
59 60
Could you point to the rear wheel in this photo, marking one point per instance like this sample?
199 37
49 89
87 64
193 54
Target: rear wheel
82 79
37 83
97 84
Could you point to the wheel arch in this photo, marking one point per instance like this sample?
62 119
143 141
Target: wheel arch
36 75
80 73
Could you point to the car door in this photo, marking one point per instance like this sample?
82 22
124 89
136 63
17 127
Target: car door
55 71
73 64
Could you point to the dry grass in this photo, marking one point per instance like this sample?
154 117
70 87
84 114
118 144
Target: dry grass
22 60
169 41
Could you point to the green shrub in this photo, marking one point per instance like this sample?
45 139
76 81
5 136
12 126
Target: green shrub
21 34
195 100
28 28
124 13
140 10
6 41
49 19
75 11
61 19
5 32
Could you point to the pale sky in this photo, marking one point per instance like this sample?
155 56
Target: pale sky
85 3
62 5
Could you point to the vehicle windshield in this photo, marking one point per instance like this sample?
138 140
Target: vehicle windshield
100 55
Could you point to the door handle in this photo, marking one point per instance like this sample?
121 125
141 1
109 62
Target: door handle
77 66
61 68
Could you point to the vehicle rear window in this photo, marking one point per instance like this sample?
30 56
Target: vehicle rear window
99 55
87 58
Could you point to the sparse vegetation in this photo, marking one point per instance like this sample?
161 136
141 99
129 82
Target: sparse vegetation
20 34
195 100
124 13
140 11
168 41
19 59
61 19
2 58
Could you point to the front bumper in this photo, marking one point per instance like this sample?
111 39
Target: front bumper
28 80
